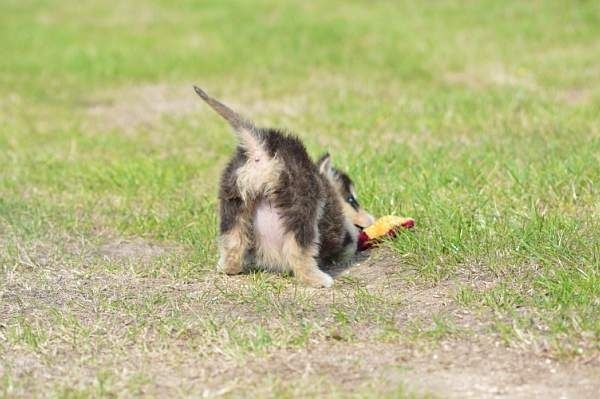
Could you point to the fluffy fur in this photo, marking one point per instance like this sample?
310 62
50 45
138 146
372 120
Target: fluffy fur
279 209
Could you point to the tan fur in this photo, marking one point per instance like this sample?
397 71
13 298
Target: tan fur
232 248
359 218
258 176
302 262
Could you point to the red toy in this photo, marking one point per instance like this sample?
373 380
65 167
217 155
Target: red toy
386 226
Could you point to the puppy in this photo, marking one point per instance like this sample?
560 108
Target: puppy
280 210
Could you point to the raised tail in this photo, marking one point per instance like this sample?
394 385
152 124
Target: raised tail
234 119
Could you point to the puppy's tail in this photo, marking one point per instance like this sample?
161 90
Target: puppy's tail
245 129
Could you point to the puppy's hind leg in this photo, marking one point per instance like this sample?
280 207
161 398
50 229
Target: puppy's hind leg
303 208
232 251
235 237
301 259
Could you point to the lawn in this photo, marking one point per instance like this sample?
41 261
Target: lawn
480 119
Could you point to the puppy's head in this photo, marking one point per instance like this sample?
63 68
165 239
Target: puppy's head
344 188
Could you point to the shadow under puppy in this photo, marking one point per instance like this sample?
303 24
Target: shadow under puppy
281 211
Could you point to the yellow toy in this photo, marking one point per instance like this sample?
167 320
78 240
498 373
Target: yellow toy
385 226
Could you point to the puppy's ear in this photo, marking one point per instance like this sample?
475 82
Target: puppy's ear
325 166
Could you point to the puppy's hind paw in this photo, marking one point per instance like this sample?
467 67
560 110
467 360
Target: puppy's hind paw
327 281
229 268
318 279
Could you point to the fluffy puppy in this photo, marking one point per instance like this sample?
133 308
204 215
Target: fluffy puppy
280 210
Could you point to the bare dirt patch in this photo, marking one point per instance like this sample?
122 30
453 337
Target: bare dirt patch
458 369
492 75
134 249
144 105
484 368
576 96
65 327
130 108
469 361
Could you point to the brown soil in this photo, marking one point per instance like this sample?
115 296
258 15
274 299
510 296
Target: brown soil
469 361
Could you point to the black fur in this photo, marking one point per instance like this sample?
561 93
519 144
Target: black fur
231 205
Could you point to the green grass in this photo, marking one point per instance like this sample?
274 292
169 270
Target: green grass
479 119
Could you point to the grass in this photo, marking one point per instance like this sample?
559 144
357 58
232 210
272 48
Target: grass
479 119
